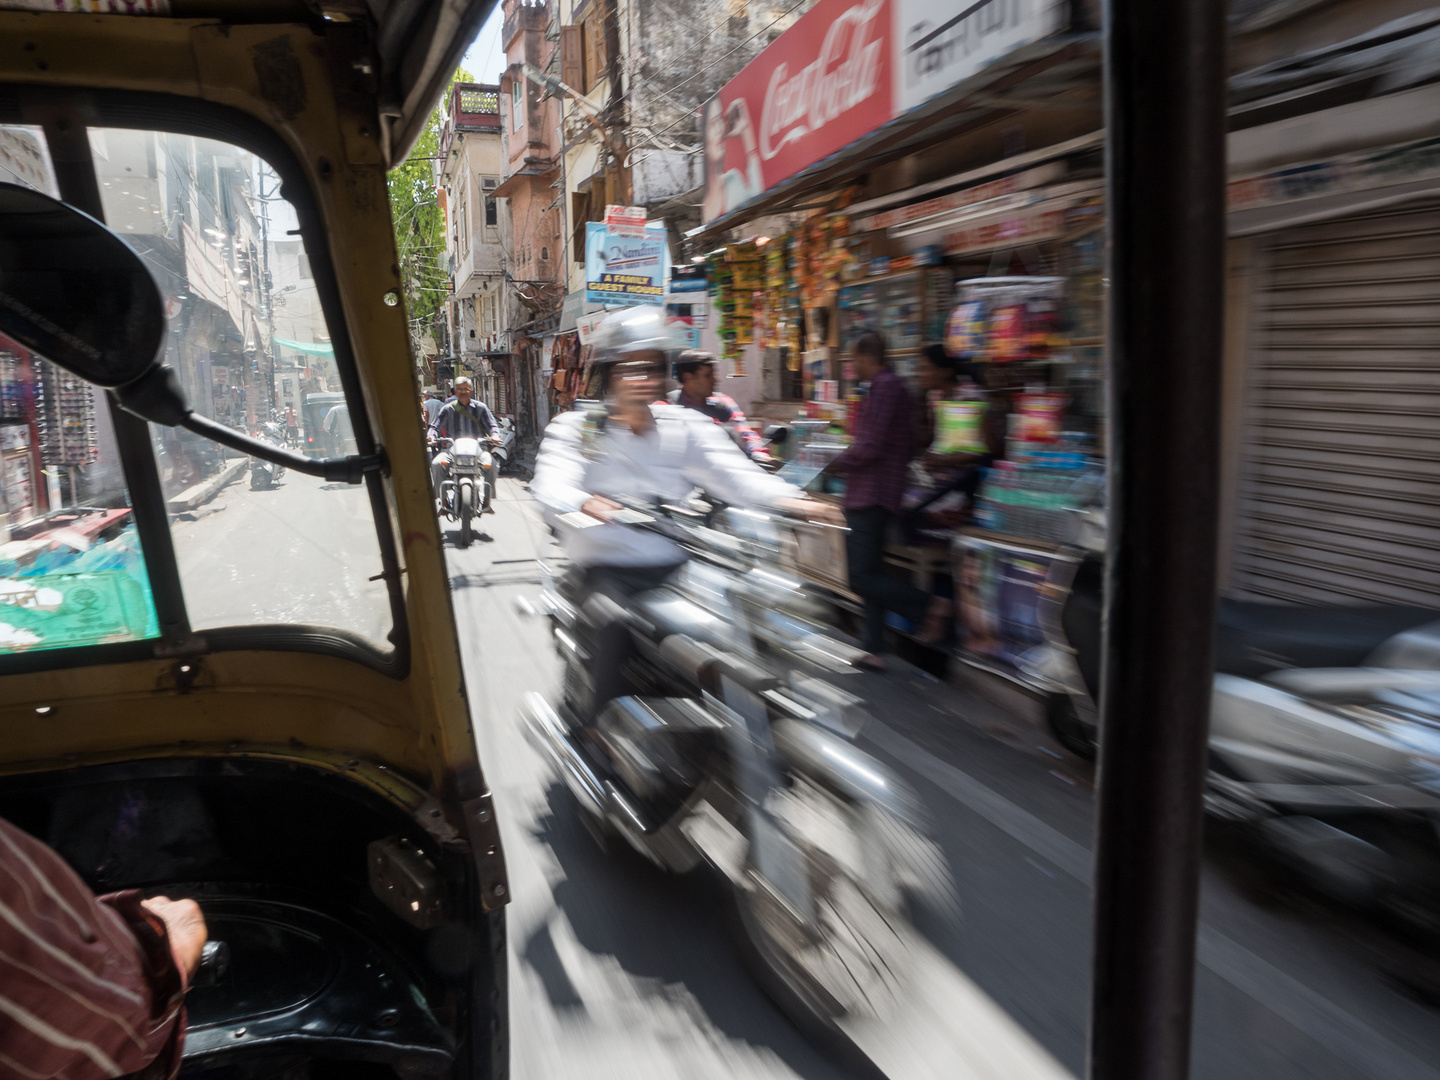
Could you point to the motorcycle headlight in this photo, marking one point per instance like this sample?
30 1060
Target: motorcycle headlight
465 461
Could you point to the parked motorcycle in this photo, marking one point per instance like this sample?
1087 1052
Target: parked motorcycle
732 750
1324 731
503 449
467 488
266 474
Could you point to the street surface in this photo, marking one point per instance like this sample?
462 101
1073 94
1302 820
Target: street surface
620 971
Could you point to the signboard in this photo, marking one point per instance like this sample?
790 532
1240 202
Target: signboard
1009 232
842 70
692 278
1360 171
818 87
622 270
586 325
969 197
942 42
625 220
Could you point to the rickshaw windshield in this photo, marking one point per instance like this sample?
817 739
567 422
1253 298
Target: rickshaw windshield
250 343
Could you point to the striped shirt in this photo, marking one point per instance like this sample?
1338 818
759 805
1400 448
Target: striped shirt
89 988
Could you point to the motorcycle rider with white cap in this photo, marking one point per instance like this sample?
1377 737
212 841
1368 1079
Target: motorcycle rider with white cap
638 448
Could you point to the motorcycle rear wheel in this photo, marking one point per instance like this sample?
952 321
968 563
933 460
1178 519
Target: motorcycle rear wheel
850 961
258 479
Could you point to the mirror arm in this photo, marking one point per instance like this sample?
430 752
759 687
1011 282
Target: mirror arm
344 470
156 396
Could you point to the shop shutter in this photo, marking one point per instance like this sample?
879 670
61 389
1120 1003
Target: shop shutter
1340 477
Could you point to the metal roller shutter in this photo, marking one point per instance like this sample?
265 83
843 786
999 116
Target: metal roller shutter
1340 482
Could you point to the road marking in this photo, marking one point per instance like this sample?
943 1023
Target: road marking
1305 1009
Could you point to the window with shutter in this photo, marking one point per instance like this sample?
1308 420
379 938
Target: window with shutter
594 39
579 214
572 58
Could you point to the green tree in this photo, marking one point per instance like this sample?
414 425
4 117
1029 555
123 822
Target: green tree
420 223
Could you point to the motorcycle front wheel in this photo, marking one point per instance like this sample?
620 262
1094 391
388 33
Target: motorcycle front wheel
851 959
467 531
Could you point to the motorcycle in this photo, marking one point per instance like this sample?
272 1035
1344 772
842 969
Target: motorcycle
504 445
266 474
1324 732
468 488
731 749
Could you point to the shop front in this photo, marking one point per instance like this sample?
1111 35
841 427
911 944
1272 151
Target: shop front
1338 495
22 495
986 289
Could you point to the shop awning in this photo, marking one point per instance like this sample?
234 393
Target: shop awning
1026 77
309 348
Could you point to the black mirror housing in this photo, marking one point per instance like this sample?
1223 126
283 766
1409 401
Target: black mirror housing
155 396
74 292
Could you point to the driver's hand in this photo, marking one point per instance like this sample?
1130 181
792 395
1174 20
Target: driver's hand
600 508
816 510
185 927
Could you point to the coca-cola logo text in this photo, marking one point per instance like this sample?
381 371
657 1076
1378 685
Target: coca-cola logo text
844 74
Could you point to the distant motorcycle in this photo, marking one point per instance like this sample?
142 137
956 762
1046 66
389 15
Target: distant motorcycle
732 750
266 474
467 487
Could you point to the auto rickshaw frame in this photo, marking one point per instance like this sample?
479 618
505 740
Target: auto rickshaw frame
300 89
1165 116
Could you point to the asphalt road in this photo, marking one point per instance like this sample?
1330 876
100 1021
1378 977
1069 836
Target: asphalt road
618 970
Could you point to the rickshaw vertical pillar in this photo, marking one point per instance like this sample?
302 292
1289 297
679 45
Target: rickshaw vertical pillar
1165 147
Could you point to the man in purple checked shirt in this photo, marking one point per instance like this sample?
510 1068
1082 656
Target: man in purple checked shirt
874 466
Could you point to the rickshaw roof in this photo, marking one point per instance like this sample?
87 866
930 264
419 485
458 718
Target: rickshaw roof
418 43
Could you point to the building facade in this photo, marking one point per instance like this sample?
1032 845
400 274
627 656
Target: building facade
467 177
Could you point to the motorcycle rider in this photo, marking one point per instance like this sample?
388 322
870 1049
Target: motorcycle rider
636 447
695 371
463 417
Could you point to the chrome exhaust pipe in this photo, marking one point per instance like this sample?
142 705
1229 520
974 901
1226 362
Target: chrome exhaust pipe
547 734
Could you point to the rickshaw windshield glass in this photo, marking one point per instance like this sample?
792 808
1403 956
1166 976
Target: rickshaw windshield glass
250 343
72 571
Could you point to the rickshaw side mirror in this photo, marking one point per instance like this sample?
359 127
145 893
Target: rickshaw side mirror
777 434
75 293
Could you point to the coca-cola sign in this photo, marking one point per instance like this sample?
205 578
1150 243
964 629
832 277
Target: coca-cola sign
843 69
820 86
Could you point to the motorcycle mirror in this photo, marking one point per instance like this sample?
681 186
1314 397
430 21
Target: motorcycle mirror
777 434
74 292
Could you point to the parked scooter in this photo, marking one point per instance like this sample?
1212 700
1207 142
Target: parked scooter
266 474
732 749
1324 731
503 448
467 488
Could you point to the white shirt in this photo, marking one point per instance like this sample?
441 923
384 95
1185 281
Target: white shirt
684 450
433 406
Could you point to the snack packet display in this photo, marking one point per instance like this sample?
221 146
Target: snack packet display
959 427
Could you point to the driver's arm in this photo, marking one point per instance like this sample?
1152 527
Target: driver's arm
715 463
90 988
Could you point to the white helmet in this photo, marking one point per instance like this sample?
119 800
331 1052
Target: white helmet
635 329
